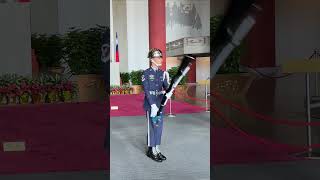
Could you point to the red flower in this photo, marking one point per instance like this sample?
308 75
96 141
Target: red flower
13 90
67 86
36 89
24 88
3 90
58 87
49 87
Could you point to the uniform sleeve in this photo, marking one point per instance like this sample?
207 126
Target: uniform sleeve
146 87
166 81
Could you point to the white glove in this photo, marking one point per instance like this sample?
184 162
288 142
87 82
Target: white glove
154 110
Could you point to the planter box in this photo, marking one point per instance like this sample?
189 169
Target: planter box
3 99
232 85
137 89
91 87
180 91
56 70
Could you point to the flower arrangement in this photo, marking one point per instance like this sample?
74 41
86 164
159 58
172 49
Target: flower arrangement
16 89
3 92
37 91
10 84
67 90
24 91
114 90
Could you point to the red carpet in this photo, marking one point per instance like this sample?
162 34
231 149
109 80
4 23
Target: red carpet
228 147
131 105
59 137
69 137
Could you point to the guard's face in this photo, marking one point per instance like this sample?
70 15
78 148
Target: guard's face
157 60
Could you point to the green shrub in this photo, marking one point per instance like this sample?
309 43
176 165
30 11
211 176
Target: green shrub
232 63
173 71
83 50
136 77
48 49
125 77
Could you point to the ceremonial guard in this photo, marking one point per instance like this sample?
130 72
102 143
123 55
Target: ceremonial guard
155 82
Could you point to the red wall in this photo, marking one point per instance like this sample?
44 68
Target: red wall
260 43
192 74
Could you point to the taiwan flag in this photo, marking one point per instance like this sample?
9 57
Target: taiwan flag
117 49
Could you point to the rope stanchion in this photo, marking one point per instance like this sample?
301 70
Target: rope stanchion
170 109
268 76
258 139
263 117
194 99
207 108
186 95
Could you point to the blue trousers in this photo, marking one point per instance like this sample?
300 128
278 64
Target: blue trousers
154 132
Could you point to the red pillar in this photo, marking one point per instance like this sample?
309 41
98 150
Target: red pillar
157 27
35 64
192 75
260 44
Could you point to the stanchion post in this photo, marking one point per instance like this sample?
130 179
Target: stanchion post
308 114
207 109
309 153
170 109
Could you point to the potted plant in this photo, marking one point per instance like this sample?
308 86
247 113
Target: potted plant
24 91
52 87
181 88
232 63
111 90
51 94
125 77
127 89
68 91
135 77
2 96
49 52
3 90
12 94
117 90
229 79
43 82
12 83
83 55
114 90
37 92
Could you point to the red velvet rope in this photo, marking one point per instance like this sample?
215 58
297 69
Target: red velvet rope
263 117
192 98
258 139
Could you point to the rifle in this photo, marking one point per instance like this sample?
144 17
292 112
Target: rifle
182 71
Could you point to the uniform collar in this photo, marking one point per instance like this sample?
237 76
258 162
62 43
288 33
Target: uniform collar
155 69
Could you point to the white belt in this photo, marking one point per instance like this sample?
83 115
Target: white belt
157 93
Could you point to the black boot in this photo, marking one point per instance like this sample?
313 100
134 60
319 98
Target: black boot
161 156
152 156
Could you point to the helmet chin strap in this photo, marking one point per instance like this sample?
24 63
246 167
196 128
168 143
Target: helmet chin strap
156 63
